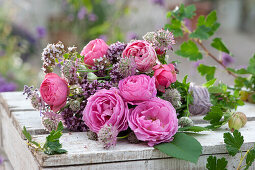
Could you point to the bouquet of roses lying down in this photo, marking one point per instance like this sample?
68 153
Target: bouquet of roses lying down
121 91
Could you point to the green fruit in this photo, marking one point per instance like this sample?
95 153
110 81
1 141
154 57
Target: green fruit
251 97
244 95
237 121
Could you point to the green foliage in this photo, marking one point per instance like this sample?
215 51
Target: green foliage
187 99
189 50
216 164
182 147
52 145
251 67
175 28
233 142
193 129
206 26
207 71
250 158
219 45
182 12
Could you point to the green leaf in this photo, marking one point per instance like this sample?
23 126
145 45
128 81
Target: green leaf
250 159
60 126
182 147
233 142
219 45
175 27
207 71
215 89
216 164
205 26
209 83
215 115
239 71
27 134
194 129
189 50
183 12
251 67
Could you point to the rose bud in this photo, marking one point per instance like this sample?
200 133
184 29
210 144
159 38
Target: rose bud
237 121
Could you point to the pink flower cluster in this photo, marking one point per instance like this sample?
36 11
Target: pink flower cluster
153 120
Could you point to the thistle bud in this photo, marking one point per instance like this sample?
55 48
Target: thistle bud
75 105
237 121
49 124
91 77
185 122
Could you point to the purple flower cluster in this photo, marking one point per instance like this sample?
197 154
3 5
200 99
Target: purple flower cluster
35 98
114 52
6 86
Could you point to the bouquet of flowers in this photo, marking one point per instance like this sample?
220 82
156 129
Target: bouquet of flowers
129 91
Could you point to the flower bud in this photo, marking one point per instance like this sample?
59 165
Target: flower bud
237 121
49 124
185 122
91 77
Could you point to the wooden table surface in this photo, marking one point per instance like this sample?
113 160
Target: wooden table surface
16 112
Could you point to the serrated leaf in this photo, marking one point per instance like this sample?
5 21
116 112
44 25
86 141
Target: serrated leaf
214 115
60 126
27 134
207 71
205 26
182 147
238 71
175 27
194 129
251 67
219 45
250 159
216 164
189 50
233 142
184 12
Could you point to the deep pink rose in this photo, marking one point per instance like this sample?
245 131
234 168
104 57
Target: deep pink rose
54 91
165 75
137 88
144 54
154 121
106 107
95 49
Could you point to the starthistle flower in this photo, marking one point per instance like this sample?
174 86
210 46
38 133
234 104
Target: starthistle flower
108 136
174 97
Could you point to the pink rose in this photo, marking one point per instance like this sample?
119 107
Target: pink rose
95 49
106 107
144 54
154 121
137 88
165 75
54 91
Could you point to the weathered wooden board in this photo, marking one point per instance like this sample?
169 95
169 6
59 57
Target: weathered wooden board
87 154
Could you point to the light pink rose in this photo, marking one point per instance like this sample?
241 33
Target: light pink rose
144 54
154 121
165 75
95 49
54 91
106 107
137 88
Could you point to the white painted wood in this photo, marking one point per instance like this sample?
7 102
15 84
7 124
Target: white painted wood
87 154
15 147
156 164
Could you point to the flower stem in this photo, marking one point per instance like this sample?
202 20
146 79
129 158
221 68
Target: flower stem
242 158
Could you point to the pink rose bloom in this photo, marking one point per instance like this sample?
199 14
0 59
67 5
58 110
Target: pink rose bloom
54 91
137 88
106 107
95 49
144 54
154 121
165 75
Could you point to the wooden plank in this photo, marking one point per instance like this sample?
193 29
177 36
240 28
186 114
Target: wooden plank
6 165
161 164
248 109
85 151
15 147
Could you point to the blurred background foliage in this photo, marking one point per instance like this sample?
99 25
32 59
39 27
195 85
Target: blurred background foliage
27 26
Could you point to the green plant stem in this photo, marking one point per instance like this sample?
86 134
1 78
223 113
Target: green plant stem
242 158
199 42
